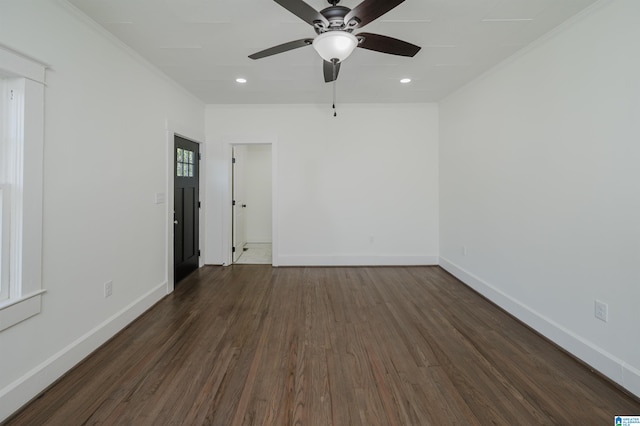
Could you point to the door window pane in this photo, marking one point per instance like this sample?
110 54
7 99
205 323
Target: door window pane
185 161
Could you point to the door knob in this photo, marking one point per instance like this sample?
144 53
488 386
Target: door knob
175 222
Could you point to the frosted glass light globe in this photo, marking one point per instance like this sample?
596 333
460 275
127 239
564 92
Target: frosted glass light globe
335 45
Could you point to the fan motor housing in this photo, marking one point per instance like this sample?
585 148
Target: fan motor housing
335 15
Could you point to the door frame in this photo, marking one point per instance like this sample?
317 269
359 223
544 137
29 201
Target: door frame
173 130
227 196
235 255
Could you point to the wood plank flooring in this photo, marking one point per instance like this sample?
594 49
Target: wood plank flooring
256 345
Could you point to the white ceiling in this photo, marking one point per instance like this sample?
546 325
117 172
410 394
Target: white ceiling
204 44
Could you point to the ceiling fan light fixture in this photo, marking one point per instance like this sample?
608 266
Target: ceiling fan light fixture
335 44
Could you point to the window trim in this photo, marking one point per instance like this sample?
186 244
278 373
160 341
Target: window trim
5 230
23 143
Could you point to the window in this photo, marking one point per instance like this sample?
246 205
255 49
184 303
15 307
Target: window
185 162
21 156
4 206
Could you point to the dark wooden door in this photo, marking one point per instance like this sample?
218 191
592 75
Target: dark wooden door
186 204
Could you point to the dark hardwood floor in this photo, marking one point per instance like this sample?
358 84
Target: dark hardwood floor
252 344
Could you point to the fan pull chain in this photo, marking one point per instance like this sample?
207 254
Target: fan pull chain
335 113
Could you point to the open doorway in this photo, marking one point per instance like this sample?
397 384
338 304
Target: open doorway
251 187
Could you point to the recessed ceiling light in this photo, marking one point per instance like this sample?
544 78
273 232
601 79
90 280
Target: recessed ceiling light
405 80
241 80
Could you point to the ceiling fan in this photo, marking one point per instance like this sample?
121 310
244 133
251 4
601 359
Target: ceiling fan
335 25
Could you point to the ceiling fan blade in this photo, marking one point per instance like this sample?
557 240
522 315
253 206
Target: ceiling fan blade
282 48
303 11
385 44
327 68
369 10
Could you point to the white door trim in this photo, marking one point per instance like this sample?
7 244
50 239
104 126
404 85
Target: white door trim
227 196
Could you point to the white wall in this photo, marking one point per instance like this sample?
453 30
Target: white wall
106 117
361 188
540 182
258 193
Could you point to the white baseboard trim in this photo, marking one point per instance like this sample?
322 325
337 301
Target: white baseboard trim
612 367
351 260
27 387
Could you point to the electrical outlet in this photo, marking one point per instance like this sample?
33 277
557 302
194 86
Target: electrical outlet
108 289
601 311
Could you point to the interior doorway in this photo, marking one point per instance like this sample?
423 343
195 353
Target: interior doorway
252 193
